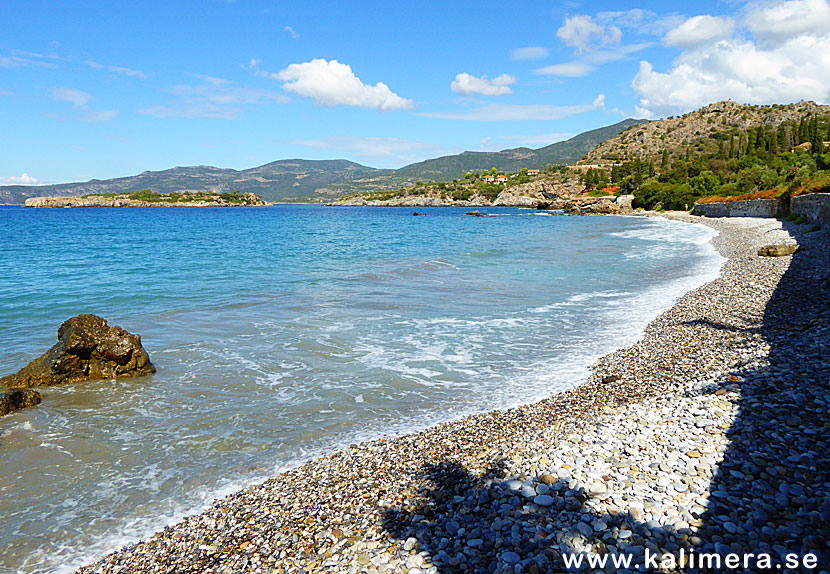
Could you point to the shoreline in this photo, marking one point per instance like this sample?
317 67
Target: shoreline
371 507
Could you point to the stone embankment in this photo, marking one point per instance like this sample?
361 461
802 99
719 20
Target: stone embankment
709 435
246 199
814 207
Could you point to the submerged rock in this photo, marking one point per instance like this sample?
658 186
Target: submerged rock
88 349
17 399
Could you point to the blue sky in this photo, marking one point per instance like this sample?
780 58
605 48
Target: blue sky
103 89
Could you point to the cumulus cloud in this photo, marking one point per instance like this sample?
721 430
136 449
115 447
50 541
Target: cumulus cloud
330 84
519 112
781 59
566 70
529 53
24 179
698 30
466 84
782 21
292 32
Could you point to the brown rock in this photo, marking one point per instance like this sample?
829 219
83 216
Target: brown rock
17 399
611 379
777 250
88 349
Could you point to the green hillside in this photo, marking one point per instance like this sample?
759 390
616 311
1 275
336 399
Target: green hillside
725 150
448 168
298 180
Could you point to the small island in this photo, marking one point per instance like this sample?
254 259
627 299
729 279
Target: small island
149 198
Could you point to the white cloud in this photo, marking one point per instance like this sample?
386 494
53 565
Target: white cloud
24 179
466 84
116 69
378 151
790 62
378 148
75 97
291 32
96 116
699 30
81 102
598 39
540 139
215 98
566 70
12 62
517 112
330 83
529 53
781 21
581 32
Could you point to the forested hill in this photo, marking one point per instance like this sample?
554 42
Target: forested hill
298 180
725 149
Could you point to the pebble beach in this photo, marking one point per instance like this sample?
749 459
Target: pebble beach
708 436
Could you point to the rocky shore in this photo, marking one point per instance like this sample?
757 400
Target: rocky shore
124 200
709 435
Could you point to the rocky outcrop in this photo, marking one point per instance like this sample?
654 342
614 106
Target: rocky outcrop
676 134
538 192
124 200
777 250
17 399
412 201
88 349
596 205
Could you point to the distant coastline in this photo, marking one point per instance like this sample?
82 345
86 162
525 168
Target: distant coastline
148 198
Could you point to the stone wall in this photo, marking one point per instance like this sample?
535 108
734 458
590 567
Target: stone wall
751 208
813 207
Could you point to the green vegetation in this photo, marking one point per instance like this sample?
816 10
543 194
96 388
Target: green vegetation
150 196
763 161
465 189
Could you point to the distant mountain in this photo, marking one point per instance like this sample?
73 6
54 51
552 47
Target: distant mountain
513 160
451 167
298 180
290 180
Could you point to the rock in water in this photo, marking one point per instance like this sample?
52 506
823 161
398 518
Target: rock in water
17 399
87 350
777 250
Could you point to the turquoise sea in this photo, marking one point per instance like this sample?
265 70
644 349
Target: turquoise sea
281 333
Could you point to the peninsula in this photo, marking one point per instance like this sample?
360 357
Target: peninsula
148 198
